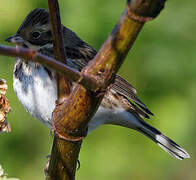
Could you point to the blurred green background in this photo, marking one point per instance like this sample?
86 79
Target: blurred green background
161 65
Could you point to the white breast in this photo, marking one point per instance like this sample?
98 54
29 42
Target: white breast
36 92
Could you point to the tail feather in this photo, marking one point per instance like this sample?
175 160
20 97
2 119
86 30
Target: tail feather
163 141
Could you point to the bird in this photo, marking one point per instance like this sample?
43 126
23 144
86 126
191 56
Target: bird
36 85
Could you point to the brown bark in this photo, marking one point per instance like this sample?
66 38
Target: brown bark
58 47
72 116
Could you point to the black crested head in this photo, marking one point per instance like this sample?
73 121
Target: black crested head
37 16
35 29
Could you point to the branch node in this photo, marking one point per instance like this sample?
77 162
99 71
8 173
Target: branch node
136 17
66 137
97 79
144 10
81 78
32 53
63 131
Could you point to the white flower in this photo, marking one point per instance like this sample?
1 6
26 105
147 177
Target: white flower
1 171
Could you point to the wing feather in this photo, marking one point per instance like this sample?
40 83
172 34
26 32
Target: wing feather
81 53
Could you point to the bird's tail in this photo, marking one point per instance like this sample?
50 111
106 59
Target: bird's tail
163 141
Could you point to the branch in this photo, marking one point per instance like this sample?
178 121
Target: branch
32 55
73 115
60 166
58 41
58 47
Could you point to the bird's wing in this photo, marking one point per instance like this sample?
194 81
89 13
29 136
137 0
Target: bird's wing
125 89
82 53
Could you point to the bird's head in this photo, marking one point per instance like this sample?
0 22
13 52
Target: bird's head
34 32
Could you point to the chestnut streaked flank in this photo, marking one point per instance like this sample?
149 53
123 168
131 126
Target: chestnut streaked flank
36 86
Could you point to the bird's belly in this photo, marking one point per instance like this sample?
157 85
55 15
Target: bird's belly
37 92
117 116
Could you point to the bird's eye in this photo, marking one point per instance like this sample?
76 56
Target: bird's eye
36 35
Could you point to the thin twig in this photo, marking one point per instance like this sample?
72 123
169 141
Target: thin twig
58 47
32 55
58 41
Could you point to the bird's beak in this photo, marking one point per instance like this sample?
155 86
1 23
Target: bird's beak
15 39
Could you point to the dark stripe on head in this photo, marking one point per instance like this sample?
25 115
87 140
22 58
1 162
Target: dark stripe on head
37 16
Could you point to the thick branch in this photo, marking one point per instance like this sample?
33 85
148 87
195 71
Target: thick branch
114 50
73 115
